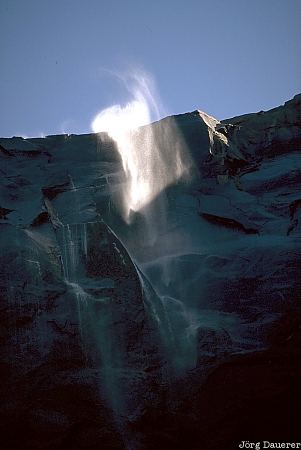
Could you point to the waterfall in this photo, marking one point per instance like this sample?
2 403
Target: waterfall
177 326
101 276
154 157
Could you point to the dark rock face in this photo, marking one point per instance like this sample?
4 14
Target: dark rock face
59 350
186 336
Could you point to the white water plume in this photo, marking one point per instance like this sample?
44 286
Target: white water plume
152 156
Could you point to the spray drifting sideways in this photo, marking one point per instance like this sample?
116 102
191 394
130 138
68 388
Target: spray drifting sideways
152 157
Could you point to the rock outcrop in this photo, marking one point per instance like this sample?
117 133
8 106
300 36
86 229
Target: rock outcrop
115 339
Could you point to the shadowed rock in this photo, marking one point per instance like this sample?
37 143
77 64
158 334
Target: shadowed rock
178 331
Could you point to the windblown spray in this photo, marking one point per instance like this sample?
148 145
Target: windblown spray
150 164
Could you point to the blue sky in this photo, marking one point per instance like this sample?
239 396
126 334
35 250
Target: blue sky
223 57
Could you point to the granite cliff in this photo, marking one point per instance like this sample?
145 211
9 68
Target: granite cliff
180 329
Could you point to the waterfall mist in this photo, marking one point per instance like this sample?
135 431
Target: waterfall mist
152 159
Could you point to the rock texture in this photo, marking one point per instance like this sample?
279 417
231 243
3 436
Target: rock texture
182 334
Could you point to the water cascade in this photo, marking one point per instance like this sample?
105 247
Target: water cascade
148 167
154 157
105 283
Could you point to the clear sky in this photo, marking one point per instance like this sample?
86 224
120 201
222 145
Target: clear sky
225 57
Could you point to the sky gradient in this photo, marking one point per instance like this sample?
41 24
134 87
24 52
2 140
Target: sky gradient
225 58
